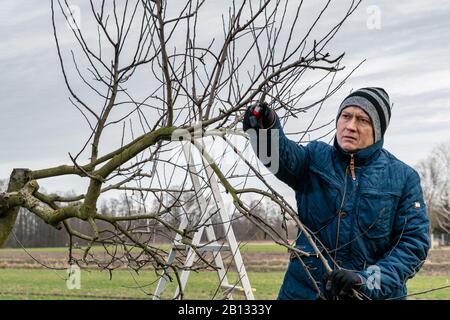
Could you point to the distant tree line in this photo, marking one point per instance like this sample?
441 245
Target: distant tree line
435 178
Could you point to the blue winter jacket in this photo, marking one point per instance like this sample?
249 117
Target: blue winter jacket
381 216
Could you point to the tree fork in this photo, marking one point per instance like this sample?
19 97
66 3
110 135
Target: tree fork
8 212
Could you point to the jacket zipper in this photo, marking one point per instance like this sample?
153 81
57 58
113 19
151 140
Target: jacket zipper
352 167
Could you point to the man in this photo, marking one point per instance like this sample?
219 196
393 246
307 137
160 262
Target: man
364 205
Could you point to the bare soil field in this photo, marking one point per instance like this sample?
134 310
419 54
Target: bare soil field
437 263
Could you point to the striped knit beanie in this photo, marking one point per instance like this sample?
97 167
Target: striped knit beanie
375 102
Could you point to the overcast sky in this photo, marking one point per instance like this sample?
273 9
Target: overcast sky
409 55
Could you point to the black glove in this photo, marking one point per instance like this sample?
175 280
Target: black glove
258 116
341 282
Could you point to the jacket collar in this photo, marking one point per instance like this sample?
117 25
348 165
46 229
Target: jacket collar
361 157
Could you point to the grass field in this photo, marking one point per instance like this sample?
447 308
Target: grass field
45 284
40 283
49 284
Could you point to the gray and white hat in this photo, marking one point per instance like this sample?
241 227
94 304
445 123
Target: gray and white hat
375 102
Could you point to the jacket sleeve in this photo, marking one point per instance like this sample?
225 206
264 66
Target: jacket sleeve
288 160
411 244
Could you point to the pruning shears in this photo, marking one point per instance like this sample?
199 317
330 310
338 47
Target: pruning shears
256 112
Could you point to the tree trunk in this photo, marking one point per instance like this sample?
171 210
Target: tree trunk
8 215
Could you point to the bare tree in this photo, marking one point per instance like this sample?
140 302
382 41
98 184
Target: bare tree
435 178
138 72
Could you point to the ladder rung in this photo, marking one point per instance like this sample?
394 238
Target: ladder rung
238 289
205 248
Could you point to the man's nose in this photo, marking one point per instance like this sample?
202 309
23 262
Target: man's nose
351 125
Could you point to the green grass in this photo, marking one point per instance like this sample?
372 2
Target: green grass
49 284
424 283
45 284
12 250
261 247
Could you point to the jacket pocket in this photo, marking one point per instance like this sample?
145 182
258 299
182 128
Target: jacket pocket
375 214
323 196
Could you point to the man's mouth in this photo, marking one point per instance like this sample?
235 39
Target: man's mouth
350 138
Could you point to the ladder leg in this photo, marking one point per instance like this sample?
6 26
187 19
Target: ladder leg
221 272
229 233
163 279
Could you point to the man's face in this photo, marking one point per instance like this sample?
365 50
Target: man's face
354 129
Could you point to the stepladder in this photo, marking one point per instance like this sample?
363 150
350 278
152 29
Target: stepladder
216 247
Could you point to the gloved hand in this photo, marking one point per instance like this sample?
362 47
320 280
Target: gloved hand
340 282
258 116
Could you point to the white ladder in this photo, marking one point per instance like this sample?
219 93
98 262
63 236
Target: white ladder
212 246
